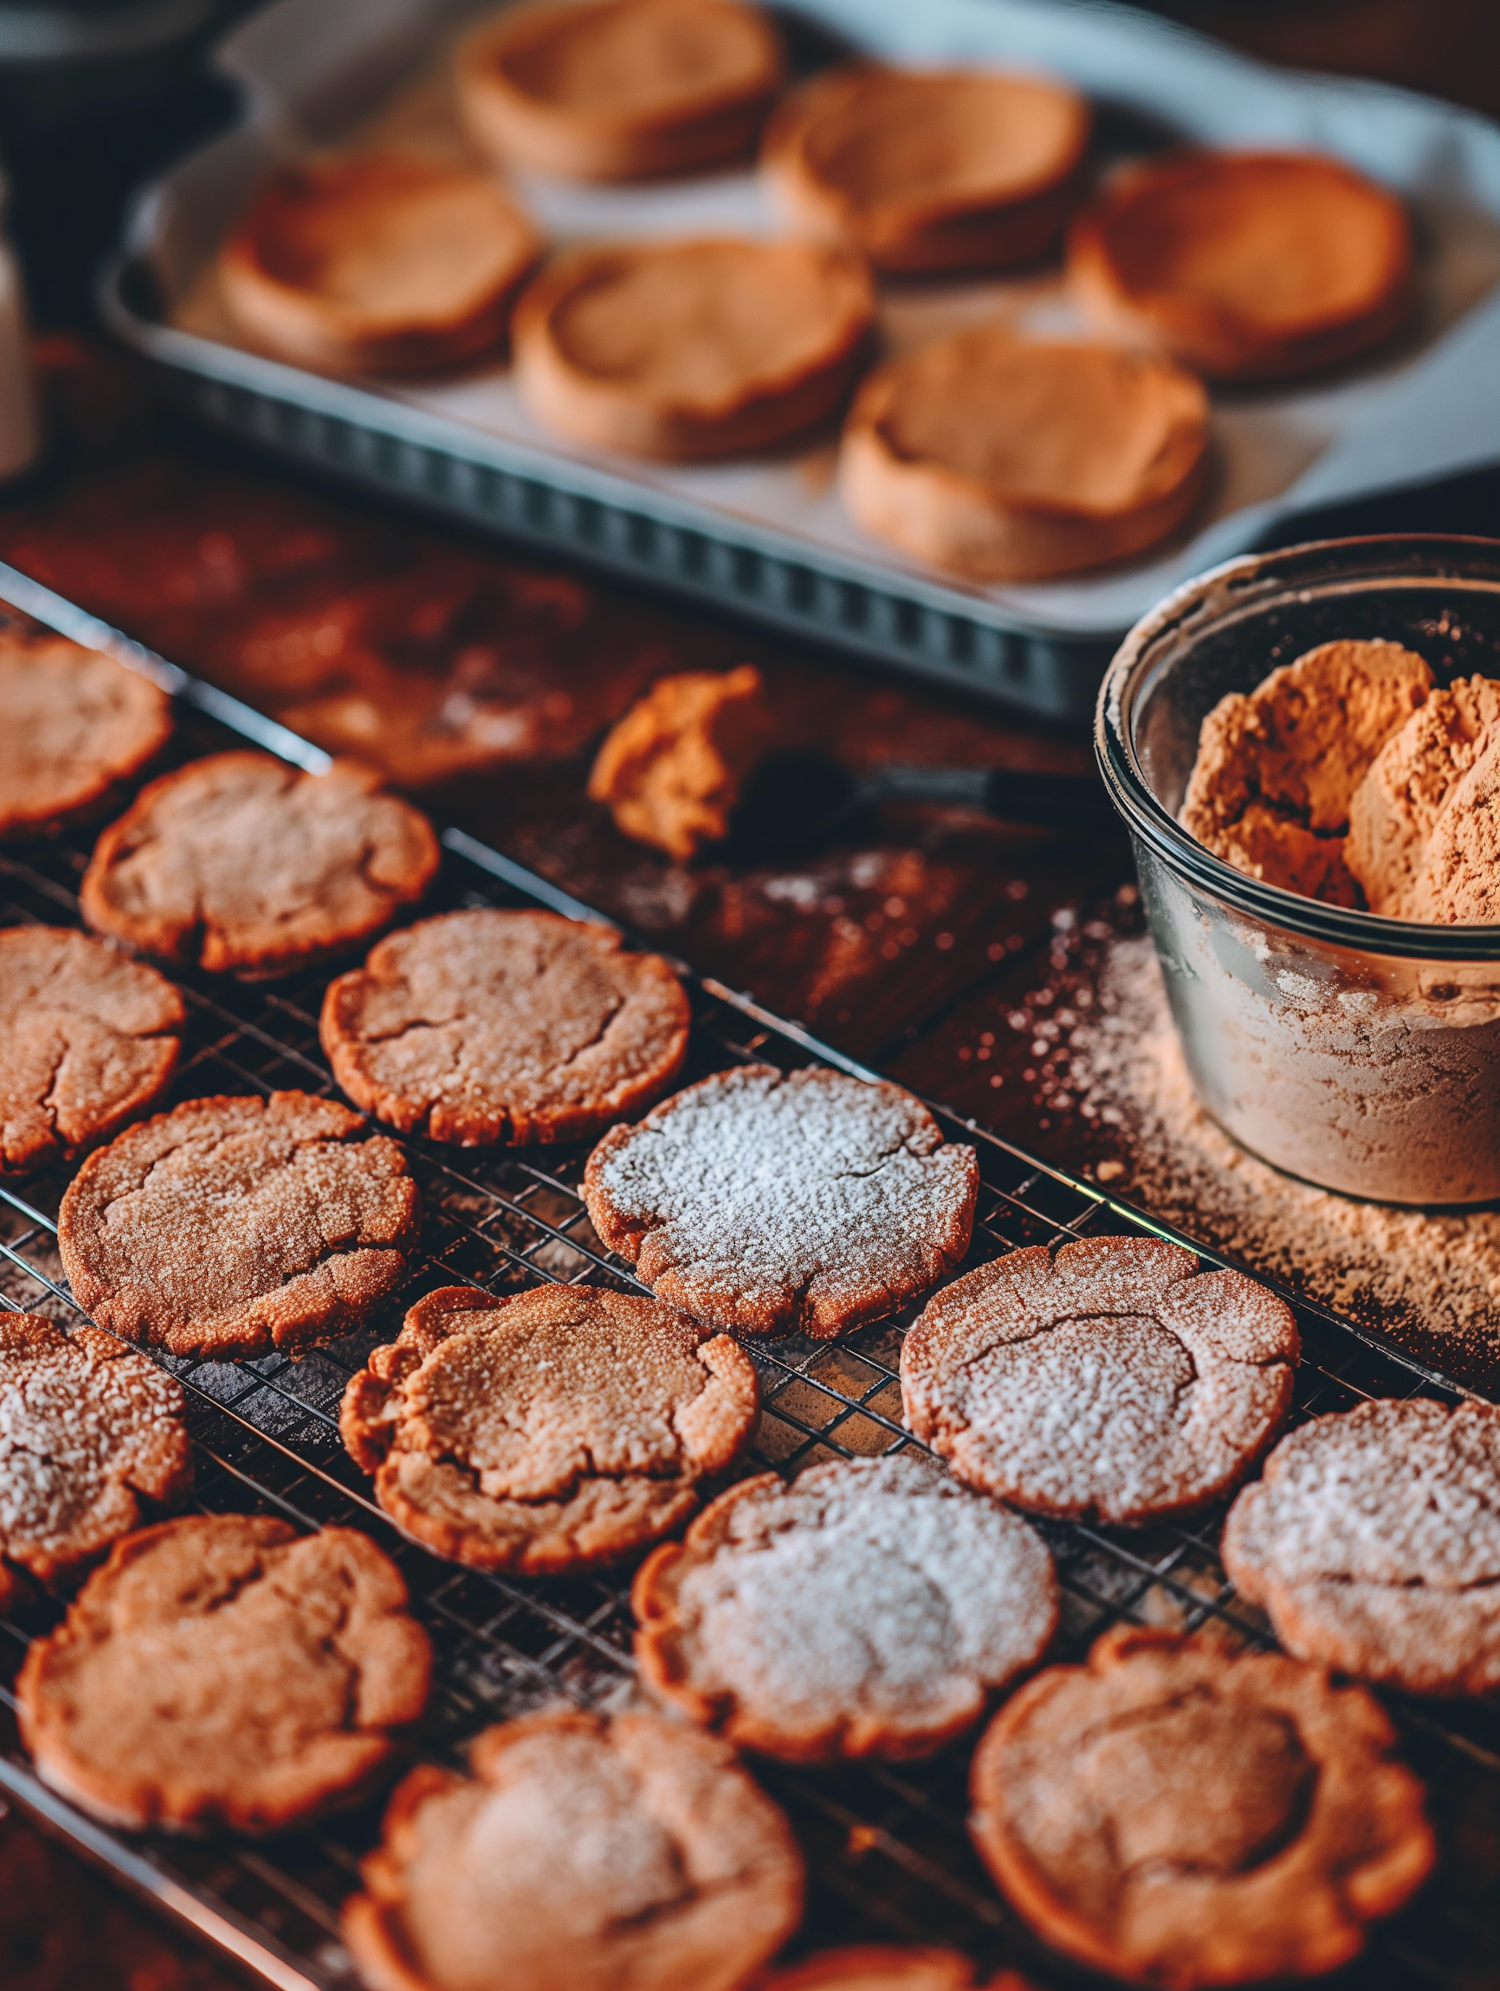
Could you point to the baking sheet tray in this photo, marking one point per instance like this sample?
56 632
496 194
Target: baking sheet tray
887 1849
767 535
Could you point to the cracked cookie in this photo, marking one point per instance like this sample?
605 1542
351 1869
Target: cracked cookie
767 1202
77 725
866 1609
478 1027
1373 1540
231 1226
222 1670
884 1967
88 1429
244 865
563 1428
1181 1815
88 1040
600 1854
1114 1382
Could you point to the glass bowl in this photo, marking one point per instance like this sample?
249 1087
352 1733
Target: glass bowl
1361 1054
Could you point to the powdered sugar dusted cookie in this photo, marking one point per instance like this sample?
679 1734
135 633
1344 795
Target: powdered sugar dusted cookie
566 1427
770 1202
579 1854
864 1610
884 1967
1114 1381
1181 1815
1373 1539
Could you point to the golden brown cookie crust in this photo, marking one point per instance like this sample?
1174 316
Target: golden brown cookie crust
88 1040
884 1967
769 1202
487 1026
274 1669
1180 1815
640 1854
78 725
233 1226
1113 1382
384 262
866 1609
670 770
244 865
88 1430
1247 266
568 1427
618 89
696 348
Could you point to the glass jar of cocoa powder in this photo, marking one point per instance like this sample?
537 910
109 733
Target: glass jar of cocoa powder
1357 1052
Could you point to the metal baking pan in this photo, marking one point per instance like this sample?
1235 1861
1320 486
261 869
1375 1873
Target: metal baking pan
888 1852
767 537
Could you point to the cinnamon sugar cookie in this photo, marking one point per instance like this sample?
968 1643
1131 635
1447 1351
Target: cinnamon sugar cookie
88 1429
1180 1815
77 725
695 348
88 1039
767 1202
942 170
1114 1381
247 866
1373 1540
488 1026
592 1853
384 262
232 1226
884 1967
618 89
867 1609
221 1670
567 1427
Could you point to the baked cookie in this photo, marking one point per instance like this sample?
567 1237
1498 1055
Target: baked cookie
1011 459
619 89
670 770
1180 1815
884 1967
78 724
567 1427
380 263
770 1202
1373 1540
942 170
231 1226
1246 265
221 1670
696 348
488 1026
1114 1382
866 1609
244 865
580 1851
88 1039
88 1429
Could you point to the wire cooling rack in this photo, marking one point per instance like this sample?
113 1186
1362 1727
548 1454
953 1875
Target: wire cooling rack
887 1849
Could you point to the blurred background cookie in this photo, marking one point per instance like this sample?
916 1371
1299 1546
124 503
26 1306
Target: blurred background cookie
78 725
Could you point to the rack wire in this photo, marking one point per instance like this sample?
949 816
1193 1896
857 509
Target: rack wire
888 1852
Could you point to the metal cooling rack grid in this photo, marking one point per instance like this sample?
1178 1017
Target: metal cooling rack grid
887 1848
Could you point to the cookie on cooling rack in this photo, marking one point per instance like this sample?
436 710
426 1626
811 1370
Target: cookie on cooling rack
885 1967
77 725
1182 1815
579 1851
1373 1540
88 1040
866 1609
88 1430
769 1201
233 1226
566 1427
486 1026
1114 1382
244 865
221 1670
